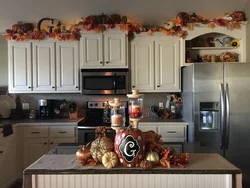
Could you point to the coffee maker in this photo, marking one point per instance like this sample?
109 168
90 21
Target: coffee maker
45 108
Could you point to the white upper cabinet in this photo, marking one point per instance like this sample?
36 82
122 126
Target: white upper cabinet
20 79
155 64
167 65
142 65
43 66
67 65
108 50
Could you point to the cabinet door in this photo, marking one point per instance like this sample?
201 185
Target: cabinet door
115 50
53 142
91 51
34 149
167 66
142 65
43 66
19 67
67 66
9 167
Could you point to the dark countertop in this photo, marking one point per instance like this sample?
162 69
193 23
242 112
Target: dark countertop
148 119
68 164
57 120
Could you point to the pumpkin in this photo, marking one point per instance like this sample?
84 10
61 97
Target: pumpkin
145 164
100 146
25 27
110 160
16 26
83 154
130 146
152 157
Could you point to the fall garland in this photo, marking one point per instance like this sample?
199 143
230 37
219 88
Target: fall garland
179 27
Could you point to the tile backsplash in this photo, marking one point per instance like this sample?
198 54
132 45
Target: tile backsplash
149 99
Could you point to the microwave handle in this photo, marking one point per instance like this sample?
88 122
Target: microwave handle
115 80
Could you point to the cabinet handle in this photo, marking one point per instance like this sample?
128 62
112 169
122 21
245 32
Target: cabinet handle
158 85
100 62
107 62
51 143
35 132
133 86
76 87
45 143
53 87
171 131
29 87
63 132
1 152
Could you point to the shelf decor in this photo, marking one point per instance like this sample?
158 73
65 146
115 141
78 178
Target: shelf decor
178 27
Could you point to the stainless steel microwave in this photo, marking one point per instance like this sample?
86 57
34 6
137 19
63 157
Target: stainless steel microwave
105 81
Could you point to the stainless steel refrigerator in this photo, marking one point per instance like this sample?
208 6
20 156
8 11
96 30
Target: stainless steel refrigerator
216 103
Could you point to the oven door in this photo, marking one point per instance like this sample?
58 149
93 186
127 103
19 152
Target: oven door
104 81
87 134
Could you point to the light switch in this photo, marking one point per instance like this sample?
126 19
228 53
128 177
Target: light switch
26 106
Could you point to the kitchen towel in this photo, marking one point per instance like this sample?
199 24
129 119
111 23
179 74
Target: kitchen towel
7 130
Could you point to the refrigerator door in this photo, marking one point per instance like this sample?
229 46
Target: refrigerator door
208 81
237 78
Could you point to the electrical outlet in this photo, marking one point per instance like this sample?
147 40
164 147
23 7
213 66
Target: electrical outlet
26 106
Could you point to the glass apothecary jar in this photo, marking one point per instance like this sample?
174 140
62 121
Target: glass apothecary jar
117 114
135 108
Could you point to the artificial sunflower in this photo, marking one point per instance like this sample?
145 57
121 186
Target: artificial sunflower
235 43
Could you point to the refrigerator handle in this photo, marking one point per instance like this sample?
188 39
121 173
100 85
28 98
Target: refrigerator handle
222 117
227 117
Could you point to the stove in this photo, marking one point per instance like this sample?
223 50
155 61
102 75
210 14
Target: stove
93 119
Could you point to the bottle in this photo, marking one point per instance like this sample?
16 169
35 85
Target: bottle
106 113
172 106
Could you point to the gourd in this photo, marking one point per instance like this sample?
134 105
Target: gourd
130 146
83 154
110 160
152 157
145 164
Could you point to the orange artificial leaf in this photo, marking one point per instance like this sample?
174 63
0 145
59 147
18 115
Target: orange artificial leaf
164 162
211 25
92 162
149 32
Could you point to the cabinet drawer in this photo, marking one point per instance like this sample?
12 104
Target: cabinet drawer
147 128
34 132
62 131
173 133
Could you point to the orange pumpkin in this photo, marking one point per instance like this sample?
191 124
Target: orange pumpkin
130 146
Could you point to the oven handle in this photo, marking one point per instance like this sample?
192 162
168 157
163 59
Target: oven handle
115 80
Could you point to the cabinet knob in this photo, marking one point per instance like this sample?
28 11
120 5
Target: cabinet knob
45 143
53 87
51 143
76 87
29 87
1 152
107 62
158 85
133 86
100 62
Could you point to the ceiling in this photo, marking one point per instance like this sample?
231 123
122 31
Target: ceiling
147 12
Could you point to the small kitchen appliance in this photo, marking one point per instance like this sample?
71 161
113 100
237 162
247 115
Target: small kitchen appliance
94 118
45 108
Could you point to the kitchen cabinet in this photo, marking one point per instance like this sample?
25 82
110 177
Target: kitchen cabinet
53 68
39 140
204 44
19 69
155 64
7 160
107 50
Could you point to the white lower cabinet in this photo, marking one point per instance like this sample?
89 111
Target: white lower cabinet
7 161
39 140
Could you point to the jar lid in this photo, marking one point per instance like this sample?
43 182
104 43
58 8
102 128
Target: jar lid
116 102
135 94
